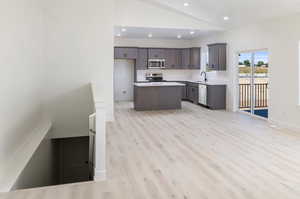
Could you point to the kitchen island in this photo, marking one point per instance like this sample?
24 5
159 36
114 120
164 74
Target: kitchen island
157 96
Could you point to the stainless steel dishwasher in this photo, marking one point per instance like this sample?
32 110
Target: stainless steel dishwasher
203 94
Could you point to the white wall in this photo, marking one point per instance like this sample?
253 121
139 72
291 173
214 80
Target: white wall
79 48
50 51
281 38
22 67
42 169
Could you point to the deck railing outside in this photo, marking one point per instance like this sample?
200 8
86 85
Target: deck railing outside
260 95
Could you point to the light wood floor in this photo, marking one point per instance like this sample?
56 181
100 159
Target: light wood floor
193 153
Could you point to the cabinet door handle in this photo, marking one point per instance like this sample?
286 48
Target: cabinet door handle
125 54
155 55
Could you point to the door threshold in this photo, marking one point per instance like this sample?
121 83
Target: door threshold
252 115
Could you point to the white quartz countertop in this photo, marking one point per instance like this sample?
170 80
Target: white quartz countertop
208 82
191 81
158 84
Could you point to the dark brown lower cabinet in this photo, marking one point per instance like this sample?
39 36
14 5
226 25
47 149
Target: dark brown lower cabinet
216 97
157 97
184 89
184 93
193 92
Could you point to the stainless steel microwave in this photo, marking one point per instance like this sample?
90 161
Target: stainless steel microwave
156 63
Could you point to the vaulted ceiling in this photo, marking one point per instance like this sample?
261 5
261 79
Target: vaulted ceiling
240 12
168 19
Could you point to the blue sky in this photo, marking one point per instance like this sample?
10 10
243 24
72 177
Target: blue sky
259 56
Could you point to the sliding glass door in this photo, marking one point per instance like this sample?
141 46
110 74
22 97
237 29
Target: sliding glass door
254 82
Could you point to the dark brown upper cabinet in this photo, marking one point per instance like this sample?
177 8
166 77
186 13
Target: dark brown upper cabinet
191 58
157 53
142 59
176 58
173 58
217 56
195 58
186 58
125 53
170 58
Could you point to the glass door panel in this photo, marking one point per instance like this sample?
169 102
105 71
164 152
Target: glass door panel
245 81
261 82
253 83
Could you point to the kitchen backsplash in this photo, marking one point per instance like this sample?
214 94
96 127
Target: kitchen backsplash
171 74
186 75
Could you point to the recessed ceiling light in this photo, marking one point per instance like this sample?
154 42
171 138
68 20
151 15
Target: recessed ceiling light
150 35
186 4
179 36
226 18
123 30
192 32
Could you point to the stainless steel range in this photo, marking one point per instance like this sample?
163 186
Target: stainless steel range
154 77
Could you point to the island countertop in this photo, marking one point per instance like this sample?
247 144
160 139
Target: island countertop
151 84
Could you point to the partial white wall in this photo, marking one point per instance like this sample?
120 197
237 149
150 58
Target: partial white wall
22 67
79 50
281 38
98 123
42 169
50 51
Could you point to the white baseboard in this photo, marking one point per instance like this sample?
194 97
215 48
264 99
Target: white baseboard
100 175
285 125
110 117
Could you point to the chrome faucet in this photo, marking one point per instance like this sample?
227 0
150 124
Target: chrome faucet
205 77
